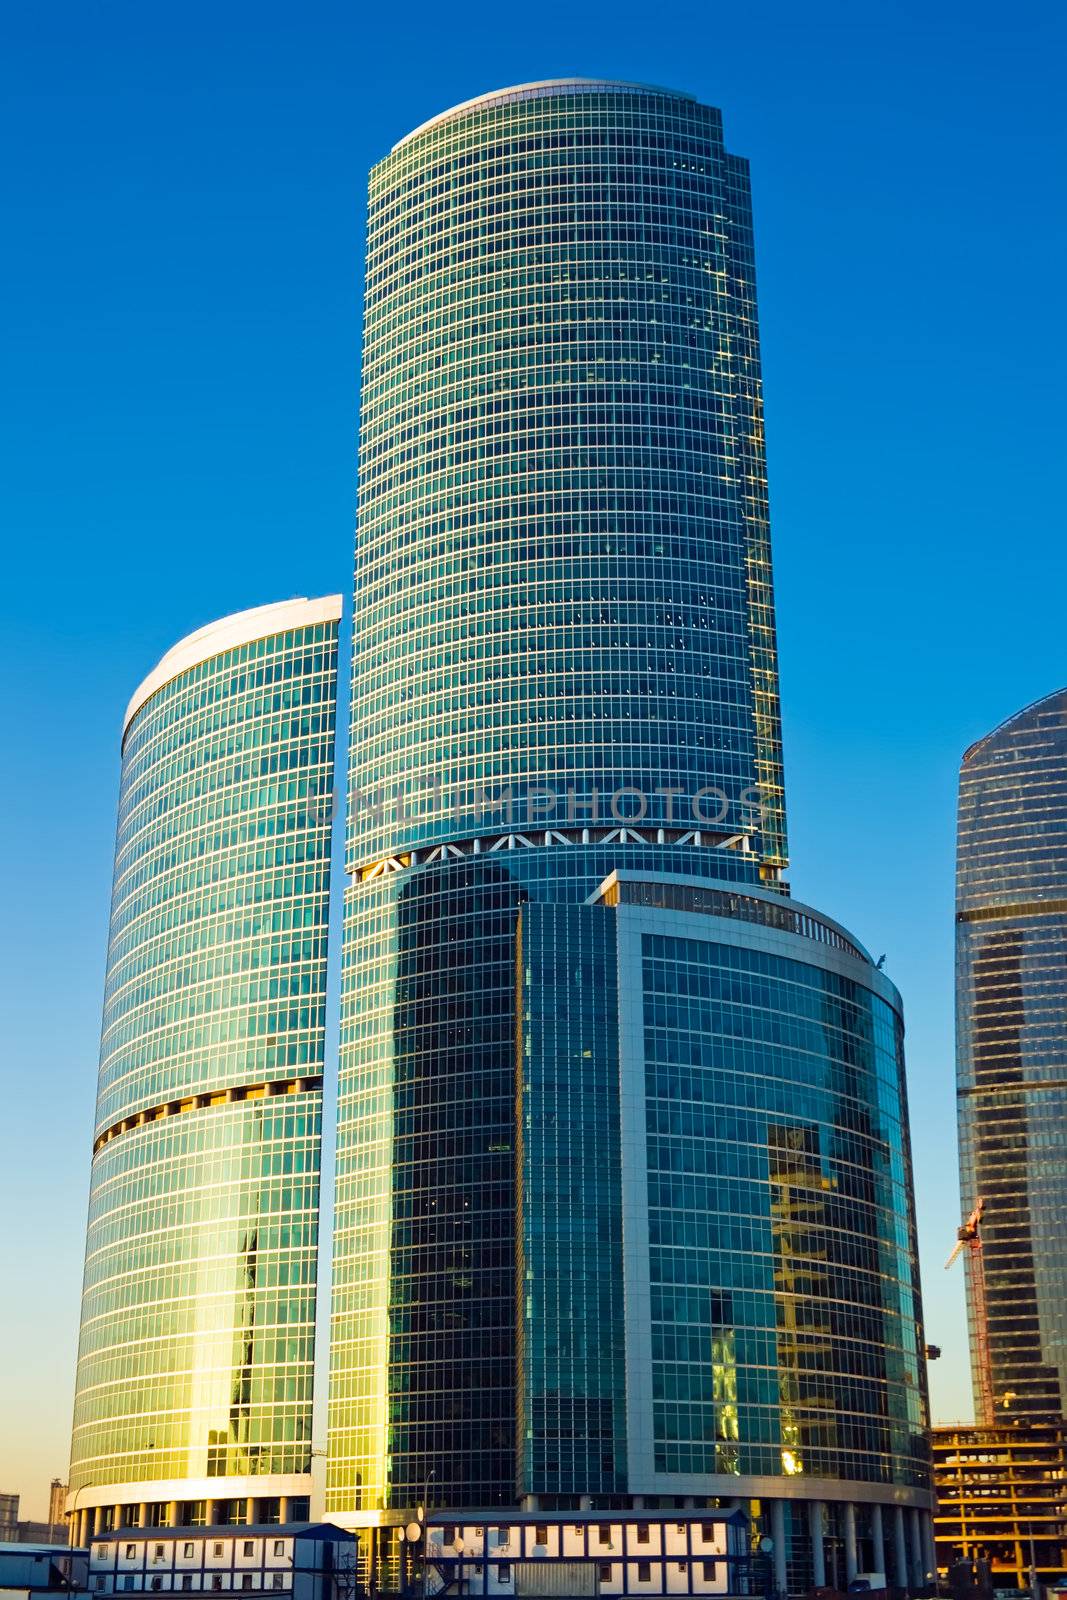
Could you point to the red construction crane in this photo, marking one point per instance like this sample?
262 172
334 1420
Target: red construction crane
970 1236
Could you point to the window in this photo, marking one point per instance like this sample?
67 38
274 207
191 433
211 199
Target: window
100 1582
503 1572
216 1582
130 1552
278 1581
127 1583
642 1533
279 1547
541 1533
157 1583
187 1548
246 1581
606 1571
708 1571
216 1549
248 1548
187 1583
707 1533
644 1571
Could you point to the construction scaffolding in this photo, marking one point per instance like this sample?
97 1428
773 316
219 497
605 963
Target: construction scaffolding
1002 1494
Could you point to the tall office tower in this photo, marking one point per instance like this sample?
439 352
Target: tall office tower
624 1214
1011 994
195 1361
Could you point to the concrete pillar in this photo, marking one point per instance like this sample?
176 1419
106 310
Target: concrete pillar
781 1566
851 1564
142 1514
250 1510
929 1552
283 1508
209 1513
917 1574
116 1518
877 1539
816 1517
98 1520
900 1556
172 1513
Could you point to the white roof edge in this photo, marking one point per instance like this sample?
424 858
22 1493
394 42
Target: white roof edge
540 86
229 633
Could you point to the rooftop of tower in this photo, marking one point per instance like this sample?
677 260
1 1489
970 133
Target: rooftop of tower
1016 716
228 633
540 89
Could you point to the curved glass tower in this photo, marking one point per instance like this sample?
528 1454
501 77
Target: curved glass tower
1011 990
195 1360
564 670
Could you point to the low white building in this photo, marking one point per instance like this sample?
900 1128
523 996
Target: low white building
654 1554
316 1562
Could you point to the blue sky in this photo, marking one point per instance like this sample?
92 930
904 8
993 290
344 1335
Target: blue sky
179 293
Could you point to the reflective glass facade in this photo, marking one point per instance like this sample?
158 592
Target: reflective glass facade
781 1234
1011 986
563 571
564 652
197 1332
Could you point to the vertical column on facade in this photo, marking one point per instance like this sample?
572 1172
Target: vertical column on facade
877 1539
900 1554
851 1564
172 1513
283 1508
816 1518
930 1553
209 1513
918 1574
250 1510
781 1563
142 1514
98 1520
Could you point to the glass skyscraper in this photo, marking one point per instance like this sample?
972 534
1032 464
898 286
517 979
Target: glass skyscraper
1011 990
624 1213
195 1362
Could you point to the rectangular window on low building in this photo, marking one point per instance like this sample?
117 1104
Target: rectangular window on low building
644 1571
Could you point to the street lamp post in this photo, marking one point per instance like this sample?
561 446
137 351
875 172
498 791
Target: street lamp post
424 1518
